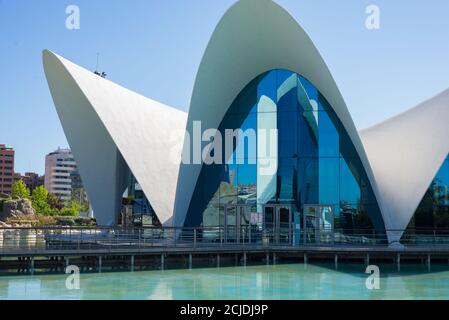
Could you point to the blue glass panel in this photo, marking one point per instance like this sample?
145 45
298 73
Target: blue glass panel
350 191
328 136
287 91
268 86
329 180
288 134
246 145
354 217
247 183
308 181
308 134
310 89
228 188
286 180
432 215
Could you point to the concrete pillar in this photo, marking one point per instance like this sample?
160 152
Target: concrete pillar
306 260
244 258
162 261
267 258
100 263
428 262
218 260
32 266
336 261
190 261
67 262
274 258
398 262
367 259
132 263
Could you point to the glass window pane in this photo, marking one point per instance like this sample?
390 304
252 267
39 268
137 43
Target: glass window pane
350 191
247 184
328 136
287 82
308 181
288 134
329 180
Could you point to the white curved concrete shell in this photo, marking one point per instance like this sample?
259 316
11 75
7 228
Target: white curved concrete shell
405 153
109 129
254 36
112 130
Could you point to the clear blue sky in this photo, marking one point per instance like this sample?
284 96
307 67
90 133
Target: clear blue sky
154 47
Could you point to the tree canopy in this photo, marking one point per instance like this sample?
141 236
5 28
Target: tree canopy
20 190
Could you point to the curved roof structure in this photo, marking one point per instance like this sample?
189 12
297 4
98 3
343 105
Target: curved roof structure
113 130
405 153
110 128
255 36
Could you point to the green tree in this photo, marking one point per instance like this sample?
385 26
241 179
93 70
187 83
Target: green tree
20 190
39 200
54 201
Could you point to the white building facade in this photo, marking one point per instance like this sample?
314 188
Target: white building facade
59 165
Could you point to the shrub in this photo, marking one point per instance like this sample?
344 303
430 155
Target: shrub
45 221
68 212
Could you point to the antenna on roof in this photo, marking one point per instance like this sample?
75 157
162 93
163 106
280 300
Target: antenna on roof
97 72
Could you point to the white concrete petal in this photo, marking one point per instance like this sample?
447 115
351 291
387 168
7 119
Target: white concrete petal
405 153
104 122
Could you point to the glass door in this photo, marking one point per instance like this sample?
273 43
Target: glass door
310 224
278 223
237 223
326 224
284 224
269 222
230 229
244 232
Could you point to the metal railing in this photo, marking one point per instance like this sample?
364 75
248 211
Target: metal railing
73 239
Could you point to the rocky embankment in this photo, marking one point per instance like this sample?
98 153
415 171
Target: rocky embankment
20 209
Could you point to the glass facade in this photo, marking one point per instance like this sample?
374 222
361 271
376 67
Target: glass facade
143 213
432 215
314 160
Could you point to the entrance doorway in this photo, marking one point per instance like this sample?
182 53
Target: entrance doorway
237 223
277 223
318 224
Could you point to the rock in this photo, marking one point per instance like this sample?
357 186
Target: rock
16 209
4 225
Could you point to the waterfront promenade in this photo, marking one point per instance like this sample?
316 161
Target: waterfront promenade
100 249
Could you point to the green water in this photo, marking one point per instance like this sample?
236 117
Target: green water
292 281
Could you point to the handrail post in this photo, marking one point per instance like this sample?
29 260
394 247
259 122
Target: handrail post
221 236
333 237
174 236
80 239
140 232
194 238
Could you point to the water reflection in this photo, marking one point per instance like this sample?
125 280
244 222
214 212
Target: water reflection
256 282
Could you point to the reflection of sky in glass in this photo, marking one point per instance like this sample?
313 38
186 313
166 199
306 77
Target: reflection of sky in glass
316 161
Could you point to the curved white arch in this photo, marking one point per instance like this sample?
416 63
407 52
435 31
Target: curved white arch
110 128
255 36
405 153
